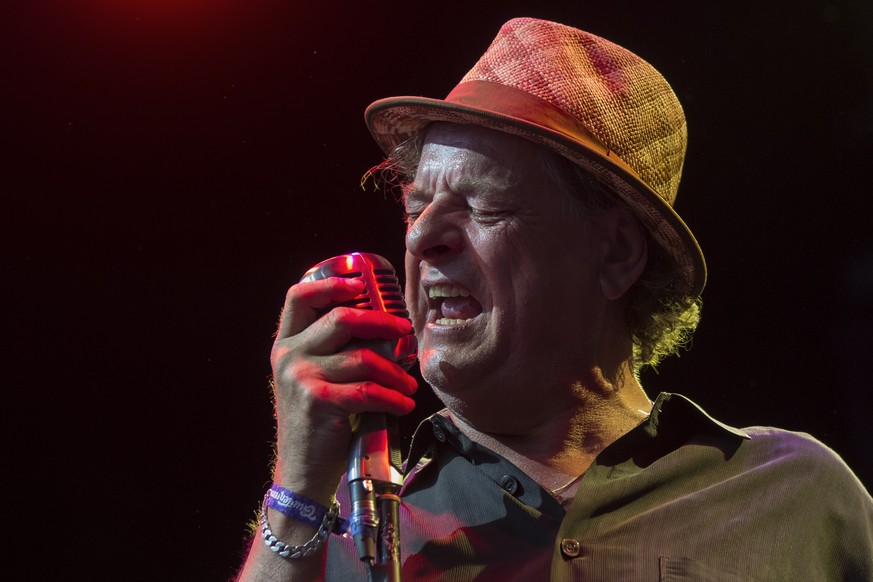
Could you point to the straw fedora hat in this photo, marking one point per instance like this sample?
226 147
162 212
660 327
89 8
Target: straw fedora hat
585 98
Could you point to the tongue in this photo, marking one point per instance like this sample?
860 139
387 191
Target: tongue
460 308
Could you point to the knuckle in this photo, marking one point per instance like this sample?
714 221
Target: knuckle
335 317
284 353
364 391
360 360
293 371
285 376
292 295
343 315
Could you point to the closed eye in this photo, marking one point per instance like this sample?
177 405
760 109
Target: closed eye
414 203
487 215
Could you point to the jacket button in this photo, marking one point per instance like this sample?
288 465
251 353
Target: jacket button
439 433
570 547
509 483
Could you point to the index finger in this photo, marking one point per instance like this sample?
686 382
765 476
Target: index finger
303 301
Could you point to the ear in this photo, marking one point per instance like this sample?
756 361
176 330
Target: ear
625 252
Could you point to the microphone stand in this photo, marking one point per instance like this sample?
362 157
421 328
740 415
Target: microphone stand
374 484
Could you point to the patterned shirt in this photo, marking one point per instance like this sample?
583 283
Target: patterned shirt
680 497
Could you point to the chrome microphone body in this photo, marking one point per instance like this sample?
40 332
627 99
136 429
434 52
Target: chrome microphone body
374 470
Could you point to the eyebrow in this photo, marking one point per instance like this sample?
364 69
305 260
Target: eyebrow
410 192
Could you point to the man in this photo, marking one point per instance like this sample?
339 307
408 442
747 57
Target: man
544 267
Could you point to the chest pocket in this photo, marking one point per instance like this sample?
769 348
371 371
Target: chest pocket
624 565
688 570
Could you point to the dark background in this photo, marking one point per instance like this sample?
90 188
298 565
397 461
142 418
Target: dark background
173 166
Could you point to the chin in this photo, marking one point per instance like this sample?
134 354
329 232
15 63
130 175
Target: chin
430 366
457 382
442 376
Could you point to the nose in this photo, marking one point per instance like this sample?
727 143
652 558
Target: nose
433 237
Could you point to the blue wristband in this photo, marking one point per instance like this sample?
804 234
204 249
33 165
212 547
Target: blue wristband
295 506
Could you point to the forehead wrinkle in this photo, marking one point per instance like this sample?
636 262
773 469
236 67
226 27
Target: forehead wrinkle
464 170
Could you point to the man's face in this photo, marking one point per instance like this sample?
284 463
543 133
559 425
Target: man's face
501 274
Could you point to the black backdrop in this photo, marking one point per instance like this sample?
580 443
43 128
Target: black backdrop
174 165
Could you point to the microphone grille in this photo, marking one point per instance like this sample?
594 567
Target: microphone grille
382 291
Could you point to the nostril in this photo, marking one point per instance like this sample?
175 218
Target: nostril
436 251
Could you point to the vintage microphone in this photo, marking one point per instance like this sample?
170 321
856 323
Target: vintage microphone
374 471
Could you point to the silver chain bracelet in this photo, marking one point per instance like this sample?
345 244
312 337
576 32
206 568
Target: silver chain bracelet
313 545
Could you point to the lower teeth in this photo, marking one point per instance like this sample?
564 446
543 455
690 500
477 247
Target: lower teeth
447 321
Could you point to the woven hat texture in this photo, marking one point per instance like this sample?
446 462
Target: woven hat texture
586 98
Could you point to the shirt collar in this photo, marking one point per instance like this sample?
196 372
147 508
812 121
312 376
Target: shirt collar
437 438
674 421
679 408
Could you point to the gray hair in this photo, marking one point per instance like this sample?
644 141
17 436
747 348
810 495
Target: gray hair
659 314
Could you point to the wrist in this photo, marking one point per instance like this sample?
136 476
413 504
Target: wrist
296 506
315 487
299 509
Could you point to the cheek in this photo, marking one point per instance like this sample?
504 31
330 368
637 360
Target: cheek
412 275
416 303
549 271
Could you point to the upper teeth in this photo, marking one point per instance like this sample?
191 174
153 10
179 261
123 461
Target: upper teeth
447 291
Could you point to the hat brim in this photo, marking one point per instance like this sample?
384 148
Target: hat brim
396 119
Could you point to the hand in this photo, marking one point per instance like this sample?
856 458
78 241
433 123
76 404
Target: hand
318 384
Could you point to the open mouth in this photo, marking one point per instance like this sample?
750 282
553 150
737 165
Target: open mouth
454 305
